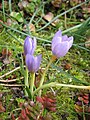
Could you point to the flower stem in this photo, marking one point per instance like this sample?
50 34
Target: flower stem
43 75
55 84
26 81
32 83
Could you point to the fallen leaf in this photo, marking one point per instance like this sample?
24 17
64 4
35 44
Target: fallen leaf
22 4
31 27
2 109
56 3
67 66
6 61
9 22
5 56
86 8
49 16
6 52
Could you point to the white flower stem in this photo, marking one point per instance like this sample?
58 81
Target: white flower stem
55 84
43 75
26 81
32 83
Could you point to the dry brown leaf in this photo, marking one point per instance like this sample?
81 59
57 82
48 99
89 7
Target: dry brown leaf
56 3
2 109
6 52
76 1
31 27
5 58
49 16
67 66
86 9
22 4
6 61
9 22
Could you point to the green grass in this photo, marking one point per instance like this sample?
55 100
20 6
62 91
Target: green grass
12 38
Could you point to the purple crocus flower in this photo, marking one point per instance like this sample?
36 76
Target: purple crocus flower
29 45
61 44
33 63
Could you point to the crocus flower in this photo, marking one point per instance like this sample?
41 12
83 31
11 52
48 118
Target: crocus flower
29 45
61 44
33 63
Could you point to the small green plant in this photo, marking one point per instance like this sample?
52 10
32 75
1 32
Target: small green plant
60 46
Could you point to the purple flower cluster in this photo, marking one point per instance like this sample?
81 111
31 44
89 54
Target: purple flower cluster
32 62
60 46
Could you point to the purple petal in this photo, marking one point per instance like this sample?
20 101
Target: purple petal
57 38
61 44
56 41
64 38
30 62
61 49
33 63
70 40
34 44
28 45
58 34
37 61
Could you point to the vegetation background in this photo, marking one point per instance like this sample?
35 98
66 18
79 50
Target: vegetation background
42 18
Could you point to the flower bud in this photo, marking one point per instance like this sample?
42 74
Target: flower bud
61 44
